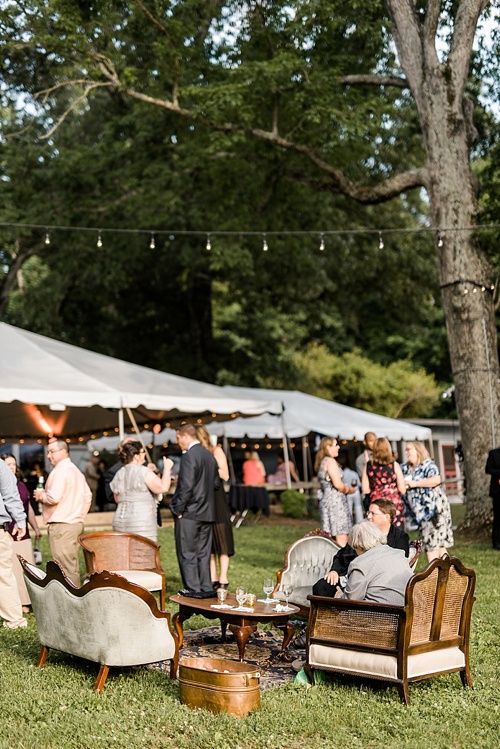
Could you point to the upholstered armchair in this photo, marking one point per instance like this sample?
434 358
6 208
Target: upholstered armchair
108 620
306 561
134 557
427 636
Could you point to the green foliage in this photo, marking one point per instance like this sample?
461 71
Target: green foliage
396 390
294 503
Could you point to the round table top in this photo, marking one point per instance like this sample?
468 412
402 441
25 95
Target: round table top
260 610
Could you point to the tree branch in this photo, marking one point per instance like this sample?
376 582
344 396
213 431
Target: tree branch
431 22
373 80
468 13
19 258
406 30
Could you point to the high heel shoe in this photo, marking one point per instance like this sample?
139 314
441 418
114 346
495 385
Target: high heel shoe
216 584
223 586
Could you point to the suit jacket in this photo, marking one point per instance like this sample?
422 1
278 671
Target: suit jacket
396 539
198 481
379 575
493 469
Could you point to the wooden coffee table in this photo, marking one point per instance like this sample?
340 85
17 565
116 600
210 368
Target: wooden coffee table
241 623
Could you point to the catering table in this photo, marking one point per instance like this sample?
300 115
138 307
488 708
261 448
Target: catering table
243 498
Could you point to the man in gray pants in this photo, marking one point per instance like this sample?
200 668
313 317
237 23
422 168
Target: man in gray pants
11 508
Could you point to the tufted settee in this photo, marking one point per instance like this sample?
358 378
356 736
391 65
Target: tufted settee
306 561
108 620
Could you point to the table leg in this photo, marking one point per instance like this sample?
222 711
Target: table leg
242 634
288 632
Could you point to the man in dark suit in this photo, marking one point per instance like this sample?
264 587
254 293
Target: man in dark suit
493 469
193 508
382 513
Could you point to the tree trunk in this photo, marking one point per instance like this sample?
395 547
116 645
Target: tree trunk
466 278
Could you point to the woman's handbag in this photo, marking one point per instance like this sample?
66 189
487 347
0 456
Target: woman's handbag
37 552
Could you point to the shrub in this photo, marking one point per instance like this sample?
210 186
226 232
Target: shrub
294 503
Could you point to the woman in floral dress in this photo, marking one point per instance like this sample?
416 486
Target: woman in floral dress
336 516
427 501
383 479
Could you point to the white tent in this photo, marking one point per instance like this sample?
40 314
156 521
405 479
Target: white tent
49 387
304 413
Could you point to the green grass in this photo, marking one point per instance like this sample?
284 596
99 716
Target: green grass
55 707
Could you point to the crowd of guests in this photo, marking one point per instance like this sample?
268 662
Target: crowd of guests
372 563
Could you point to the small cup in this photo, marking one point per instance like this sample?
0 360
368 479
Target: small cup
221 595
251 599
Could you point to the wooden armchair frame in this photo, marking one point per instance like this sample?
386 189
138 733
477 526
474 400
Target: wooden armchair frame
114 551
427 636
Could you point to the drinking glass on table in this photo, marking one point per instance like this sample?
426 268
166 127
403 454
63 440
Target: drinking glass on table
268 588
287 592
241 595
221 595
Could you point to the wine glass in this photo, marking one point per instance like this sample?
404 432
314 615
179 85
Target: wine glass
241 595
268 588
287 592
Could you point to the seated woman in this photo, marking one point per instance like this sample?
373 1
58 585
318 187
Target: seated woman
280 476
254 472
378 574
382 513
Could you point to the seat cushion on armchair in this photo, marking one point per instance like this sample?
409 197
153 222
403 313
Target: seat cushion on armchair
148 580
355 661
449 659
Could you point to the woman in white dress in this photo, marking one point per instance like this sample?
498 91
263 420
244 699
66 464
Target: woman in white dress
134 487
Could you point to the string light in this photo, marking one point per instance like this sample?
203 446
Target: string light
209 243
152 244
322 243
440 240
380 241
47 238
265 246
99 240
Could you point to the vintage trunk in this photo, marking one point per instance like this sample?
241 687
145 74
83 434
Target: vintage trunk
219 685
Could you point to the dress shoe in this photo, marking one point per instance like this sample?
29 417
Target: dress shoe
206 594
186 592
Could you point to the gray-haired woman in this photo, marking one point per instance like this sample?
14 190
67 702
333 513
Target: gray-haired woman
379 573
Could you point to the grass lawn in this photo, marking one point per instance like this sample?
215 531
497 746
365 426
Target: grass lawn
55 707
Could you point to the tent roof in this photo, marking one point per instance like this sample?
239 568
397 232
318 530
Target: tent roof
306 413
40 377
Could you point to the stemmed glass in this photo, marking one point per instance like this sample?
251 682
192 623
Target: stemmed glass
287 592
241 595
268 588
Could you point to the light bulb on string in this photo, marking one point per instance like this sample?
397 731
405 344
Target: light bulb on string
99 240
322 243
440 240
380 241
209 243
152 244
265 246
47 237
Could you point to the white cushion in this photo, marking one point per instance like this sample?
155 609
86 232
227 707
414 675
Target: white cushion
148 580
322 656
447 659
375 664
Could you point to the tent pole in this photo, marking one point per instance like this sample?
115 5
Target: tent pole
121 424
139 435
304 459
285 449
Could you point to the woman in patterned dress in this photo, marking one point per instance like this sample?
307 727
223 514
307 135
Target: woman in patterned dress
427 501
383 478
336 516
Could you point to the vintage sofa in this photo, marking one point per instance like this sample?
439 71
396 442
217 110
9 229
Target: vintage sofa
108 620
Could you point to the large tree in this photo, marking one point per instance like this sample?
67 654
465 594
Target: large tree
318 81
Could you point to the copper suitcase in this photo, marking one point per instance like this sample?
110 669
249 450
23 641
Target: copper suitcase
219 685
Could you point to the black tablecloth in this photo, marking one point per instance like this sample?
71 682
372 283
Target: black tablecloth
254 498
